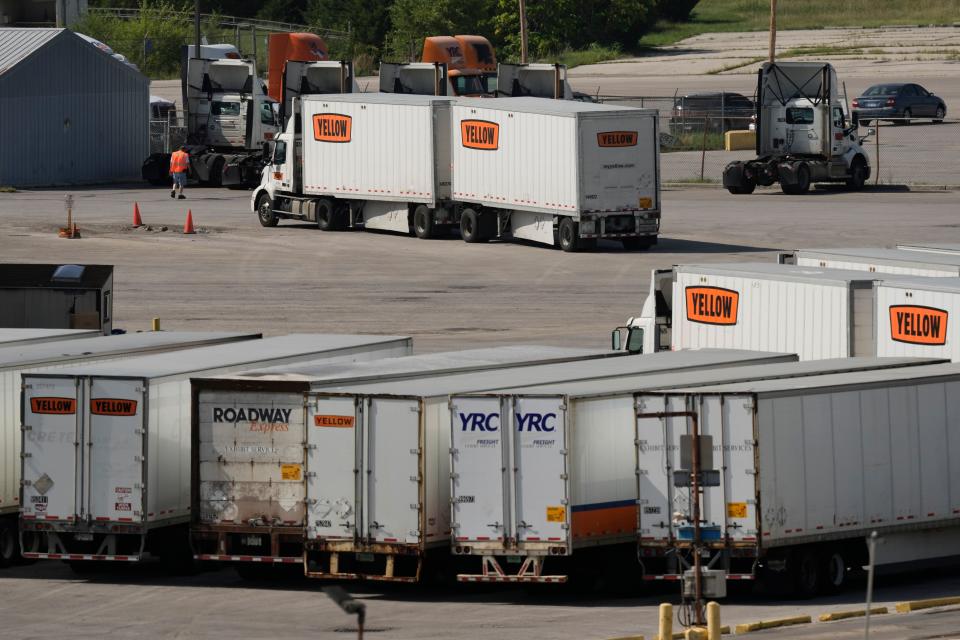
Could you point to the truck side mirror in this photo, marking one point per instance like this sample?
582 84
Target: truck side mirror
615 340
855 119
267 147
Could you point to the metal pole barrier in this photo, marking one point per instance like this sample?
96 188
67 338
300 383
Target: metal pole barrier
703 150
872 549
665 627
713 621
876 178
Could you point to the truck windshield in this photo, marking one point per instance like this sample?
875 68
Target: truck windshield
799 115
468 85
225 108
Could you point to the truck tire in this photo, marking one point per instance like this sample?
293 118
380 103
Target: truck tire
326 215
265 213
567 235
9 553
803 181
423 222
470 229
834 571
215 178
743 190
858 174
806 573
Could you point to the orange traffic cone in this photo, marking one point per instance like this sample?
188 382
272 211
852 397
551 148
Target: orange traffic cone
137 221
188 225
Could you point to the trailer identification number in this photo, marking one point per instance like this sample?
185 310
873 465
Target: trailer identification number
736 509
712 305
918 325
556 514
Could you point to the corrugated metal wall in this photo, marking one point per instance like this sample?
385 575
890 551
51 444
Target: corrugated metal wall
70 114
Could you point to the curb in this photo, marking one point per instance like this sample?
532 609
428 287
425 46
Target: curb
772 624
882 188
845 615
917 605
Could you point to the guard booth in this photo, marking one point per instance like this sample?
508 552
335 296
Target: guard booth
52 296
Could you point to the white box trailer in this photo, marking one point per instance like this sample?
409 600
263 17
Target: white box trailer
370 159
889 261
378 460
21 357
559 172
918 317
110 478
20 337
249 490
566 485
807 469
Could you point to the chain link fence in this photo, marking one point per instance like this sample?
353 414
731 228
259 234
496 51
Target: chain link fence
917 151
169 134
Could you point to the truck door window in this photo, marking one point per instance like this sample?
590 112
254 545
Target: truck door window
266 114
218 108
280 152
838 120
467 85
799 115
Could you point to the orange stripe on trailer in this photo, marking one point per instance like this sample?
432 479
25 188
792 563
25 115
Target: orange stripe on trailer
588 521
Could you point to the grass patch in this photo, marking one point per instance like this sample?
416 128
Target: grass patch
694 141
591 55
6 189
754 15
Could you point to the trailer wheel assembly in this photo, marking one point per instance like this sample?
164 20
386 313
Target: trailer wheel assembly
423 222
835 567
326 215
470 229
806 573
567 235
265 213
8 544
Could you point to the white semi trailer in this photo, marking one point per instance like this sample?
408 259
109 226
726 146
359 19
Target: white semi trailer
570 493
803 133
106 448
248 497
378 460
20 337
814 311
22 357
804 471
556 172
888 261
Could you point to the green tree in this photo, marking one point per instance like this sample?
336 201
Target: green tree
413 20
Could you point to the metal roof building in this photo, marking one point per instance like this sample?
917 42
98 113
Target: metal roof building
69 113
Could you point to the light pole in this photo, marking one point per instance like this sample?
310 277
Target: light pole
773 29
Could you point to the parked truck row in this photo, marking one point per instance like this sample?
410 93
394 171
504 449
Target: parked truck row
555 172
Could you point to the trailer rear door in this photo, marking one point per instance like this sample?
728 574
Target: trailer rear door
655 437
392 474
540 467
478 465
116 435
51 439
334 437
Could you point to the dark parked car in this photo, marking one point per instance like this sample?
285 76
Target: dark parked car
898 100
719 111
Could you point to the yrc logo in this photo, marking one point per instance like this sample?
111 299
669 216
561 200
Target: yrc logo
528 422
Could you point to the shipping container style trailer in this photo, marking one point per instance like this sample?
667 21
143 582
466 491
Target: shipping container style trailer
566 488
805 470
560 173
379 454
110 479
21 337
813 311
888 261
249 490
21 358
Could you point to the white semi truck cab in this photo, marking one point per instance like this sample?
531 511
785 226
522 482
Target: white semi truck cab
804 134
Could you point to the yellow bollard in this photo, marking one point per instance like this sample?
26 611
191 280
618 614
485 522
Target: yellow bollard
666 621
696 633
713 621
155 324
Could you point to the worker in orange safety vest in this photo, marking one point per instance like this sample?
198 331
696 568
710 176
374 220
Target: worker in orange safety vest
179 165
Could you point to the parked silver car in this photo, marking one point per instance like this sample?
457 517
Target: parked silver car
900 102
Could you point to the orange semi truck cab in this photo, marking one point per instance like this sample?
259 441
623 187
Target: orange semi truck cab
471 62
302 47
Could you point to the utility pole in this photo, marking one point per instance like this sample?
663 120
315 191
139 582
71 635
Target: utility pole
523 31
196 29
773 30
